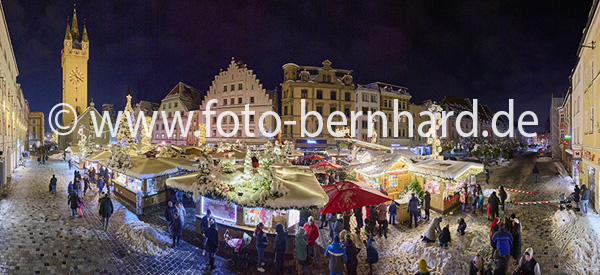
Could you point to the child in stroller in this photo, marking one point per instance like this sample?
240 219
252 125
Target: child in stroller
237 246
566 203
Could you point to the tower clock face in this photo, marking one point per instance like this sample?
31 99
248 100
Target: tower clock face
76 77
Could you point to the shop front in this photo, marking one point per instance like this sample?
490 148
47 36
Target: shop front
590 167
381 170
444 180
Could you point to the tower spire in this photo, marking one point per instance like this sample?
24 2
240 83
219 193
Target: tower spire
84 36
68 34
74 27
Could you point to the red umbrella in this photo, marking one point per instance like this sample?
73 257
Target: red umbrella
325 165
314 157
345 195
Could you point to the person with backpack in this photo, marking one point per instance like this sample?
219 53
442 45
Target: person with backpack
261 244
105 211
337 257
372 254
73 202
392 210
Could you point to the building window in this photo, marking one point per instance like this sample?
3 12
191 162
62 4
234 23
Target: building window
319 94
347 96
232 101
232 87
224 88
332 109
304 94
162 136
365 97
365 110
347 112
364 124
285 109
320 109
175 104
374 98
224 101
240 86
251 100
214 133
251 118
169 105
214 119
239 100
562 118
333 95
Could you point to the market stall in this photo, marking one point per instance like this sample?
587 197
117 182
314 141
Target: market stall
143 184
74 154
237 208
444 179
386 171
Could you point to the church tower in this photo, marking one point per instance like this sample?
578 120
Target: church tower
74 59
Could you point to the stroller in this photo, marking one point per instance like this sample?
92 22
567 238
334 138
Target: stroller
237 247
565 203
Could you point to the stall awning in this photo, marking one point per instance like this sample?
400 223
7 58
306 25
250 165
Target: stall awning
147 168
73 149
183 183
447 169
98 156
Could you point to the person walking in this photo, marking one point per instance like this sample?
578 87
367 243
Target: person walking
347 215
70 187
432 232
528 265
337 256
463 199
585 196
280 246
261 244
323 221
392 210
475 200
176 227
382 219
503 240
503 196
170 213
70 164
301 244
39 159
462 226
576 197
493 201
352 253
100 185
212 242
445 237
86 184
331 219
426 203
372 254
413 210
181 211
338 226
205 225
53 182
312 234
77 187
535 172
105 211
480 200
358 214
73 201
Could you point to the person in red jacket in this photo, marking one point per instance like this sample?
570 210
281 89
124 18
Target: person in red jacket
312 234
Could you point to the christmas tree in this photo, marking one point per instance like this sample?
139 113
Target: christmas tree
248 163
124 135
146 140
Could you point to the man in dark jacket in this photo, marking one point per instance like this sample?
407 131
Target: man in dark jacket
500 262
426 203
352 254
169 213
53 181
73 201
86 184
106 210
494 202
176 226
577 196
413 210
503 240
205 225
462 226
261 244
445 238
503 196
535 172
515 248
585 196
358 214
212 236
338 226
280 246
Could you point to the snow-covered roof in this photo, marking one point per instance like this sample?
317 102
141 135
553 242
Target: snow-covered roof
447 169
147 168
334 152
381 162
99 155
73 149
238 154
304 189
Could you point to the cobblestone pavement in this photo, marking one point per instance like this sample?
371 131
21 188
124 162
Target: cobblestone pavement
39 236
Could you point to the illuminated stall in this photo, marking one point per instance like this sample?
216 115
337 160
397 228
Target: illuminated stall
143 184
384 170
444 179
74 155
240 214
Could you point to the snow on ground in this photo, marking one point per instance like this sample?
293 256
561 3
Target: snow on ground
578 237
142 237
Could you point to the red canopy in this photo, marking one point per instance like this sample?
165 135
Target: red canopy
325 165
345 195
314 157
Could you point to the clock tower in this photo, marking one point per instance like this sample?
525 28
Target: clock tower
74 58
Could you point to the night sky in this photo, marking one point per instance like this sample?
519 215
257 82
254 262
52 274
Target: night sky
490 50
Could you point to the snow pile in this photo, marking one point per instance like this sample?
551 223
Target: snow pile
581 244
144 238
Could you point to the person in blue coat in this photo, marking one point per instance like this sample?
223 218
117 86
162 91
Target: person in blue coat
337 257
100 185
392 211
280 246
372 254
503 240
70 187
413 210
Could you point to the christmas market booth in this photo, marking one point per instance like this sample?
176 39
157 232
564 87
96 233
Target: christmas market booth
444 179
272 194
141 181
93 160
386 171
74 154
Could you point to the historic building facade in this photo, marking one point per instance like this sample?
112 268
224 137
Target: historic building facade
36 129
367 100
74 62
233 89
325 90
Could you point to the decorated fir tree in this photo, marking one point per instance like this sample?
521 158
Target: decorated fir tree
124 134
